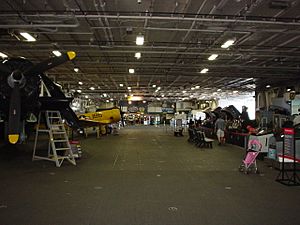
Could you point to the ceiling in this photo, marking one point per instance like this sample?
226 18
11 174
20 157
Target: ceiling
180 35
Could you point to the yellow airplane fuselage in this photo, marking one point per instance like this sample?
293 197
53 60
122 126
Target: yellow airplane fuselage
102 117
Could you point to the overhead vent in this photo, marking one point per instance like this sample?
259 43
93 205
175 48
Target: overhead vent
277 4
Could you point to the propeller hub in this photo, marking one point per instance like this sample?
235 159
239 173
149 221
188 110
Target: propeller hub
16 77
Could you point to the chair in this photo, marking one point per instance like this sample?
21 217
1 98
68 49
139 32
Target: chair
206 141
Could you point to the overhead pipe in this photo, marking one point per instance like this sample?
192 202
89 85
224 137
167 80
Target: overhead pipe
179 17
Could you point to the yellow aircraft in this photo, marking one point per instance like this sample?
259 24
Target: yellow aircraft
101 118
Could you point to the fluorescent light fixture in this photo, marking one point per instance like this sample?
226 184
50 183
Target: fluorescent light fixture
27 36
56 53
135 98
80 83
205 70
158 88
131 70
76 69
121 85
227 44
154 85
183 91
197 87
139 39
129 88
213 57
138 55
79 91
219 89
268 86
92 88
2 55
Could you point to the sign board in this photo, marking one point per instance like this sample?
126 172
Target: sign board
289 142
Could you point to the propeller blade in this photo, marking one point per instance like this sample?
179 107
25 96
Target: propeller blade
14 115
4 69
50 63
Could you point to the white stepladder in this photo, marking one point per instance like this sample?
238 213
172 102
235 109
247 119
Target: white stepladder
59 147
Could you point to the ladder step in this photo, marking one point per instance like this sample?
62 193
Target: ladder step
58 132
60 149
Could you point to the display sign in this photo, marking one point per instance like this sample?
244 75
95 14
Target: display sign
289 142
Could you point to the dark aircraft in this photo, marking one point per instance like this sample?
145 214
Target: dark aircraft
20 85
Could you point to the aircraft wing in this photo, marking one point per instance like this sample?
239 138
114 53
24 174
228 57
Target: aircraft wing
92 123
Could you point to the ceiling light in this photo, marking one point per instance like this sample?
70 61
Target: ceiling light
139 39
235 92
80 83
86 96
131 70
213 57
129 102
125 96
138 55
104 95
158 88
197 87
288 89
129 88
183 91
158 99
135 98
192 88
191 96
56 53
3 55
144 101
219 89
268 86
111 99
27 36
107 100
79 91
76 69
205 70
162 96
92 88
121 85
227 44
154 85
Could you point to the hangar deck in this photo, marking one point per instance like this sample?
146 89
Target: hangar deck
143 176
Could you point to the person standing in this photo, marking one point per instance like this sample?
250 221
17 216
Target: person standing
220 130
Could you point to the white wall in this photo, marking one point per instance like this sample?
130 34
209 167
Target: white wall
239 102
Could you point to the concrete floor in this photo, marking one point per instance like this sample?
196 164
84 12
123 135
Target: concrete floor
144 176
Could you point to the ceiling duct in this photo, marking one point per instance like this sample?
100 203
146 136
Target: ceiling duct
277 4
